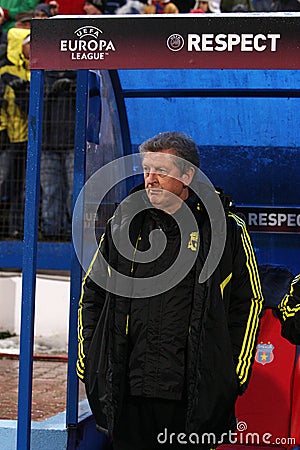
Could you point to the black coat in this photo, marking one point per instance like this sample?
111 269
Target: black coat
222 329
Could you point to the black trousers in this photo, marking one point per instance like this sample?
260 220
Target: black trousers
152 424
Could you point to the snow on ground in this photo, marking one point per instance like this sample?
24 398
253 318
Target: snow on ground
50 345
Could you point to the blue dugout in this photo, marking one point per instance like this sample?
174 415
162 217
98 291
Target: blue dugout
223 79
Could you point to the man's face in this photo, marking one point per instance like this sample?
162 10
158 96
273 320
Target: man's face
165 185
203 6
54 6
21 24
40 15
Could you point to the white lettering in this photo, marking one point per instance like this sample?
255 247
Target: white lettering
252 219
63 46
221 42
164 435
89 56
74 47
232 440
102 44
253 438
272 219
207 42
180 438
92 46
273 38
193 42
211 438
222 438
83 46
87 31
191 438
291 222
233 40
110 46
266 438
171 437
257 47
246 45
262 219
281 218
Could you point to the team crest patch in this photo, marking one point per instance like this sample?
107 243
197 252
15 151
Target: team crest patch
264 353
193 241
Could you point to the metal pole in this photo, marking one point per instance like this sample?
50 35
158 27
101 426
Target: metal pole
29 258
76 272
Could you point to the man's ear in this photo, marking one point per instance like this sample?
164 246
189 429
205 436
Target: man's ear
188 176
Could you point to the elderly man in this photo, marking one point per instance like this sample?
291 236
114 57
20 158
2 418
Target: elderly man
164 352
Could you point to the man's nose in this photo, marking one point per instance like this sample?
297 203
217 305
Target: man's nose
151 177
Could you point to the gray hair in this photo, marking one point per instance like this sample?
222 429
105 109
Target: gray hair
183 146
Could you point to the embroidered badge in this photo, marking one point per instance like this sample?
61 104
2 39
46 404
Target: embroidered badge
264 353
193 241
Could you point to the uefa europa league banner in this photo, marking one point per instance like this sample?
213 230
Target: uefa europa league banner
187 41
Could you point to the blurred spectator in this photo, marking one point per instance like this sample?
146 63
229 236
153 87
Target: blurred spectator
184 6
57 160
23 19
131 7
228 5
42 11
206 6
240 8
9 9
285 5
14 118
94 7
214 6
262 5
54 7
71 6
201 6
3 45
160 7
113 5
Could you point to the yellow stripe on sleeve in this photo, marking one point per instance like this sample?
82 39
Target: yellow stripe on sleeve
224 283
80 362
286 310
245 356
